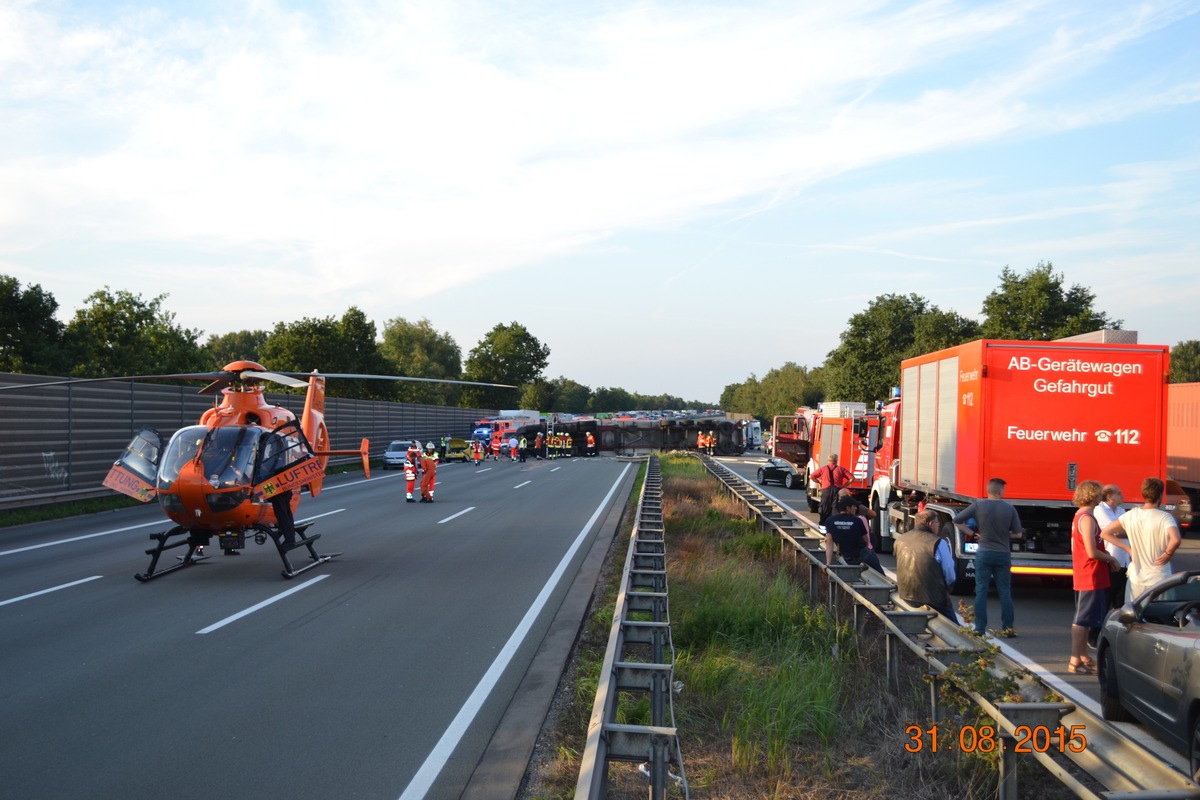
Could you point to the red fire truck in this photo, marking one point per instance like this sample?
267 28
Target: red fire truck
1043 416
1183 439
835 430
791 441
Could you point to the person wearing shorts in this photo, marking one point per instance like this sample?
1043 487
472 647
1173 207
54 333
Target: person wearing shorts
1091 564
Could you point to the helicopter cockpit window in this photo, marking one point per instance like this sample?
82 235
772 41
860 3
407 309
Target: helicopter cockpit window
141 455
183 447
228 455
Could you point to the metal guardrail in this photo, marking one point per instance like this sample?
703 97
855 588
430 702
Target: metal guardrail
60 441
642 593
1124 767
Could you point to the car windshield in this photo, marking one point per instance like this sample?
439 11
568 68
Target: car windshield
1188 590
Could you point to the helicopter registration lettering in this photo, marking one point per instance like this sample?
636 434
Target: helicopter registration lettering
292 478
122 480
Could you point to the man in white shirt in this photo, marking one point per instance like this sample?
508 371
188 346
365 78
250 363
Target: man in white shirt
1150 535
1106 512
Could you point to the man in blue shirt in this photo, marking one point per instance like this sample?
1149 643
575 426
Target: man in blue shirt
924 566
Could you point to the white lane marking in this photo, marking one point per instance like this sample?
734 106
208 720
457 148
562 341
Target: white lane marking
79 538
459 514
263 604
519 485
482 469
421 783
47 591
556 469
123 530
318 516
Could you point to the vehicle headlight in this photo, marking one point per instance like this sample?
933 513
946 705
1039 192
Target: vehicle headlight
170 503
226 501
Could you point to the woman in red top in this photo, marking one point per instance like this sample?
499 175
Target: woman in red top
1091 564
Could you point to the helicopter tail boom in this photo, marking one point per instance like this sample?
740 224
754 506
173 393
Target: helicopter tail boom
362 451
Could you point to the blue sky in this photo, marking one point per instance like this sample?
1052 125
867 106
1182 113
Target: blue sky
672 196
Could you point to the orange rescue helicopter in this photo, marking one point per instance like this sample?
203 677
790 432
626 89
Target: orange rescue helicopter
240 470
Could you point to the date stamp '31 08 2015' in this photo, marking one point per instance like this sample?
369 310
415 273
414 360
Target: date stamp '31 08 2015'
985 739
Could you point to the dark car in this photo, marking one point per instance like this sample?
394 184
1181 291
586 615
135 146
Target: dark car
1178 504
776 470
1150 663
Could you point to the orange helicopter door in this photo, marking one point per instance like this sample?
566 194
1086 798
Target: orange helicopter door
135 472
285 462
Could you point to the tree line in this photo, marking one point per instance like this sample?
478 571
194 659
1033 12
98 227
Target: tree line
119 333
1034 306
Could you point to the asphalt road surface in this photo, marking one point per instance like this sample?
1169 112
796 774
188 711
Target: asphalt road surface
1044 611
381 674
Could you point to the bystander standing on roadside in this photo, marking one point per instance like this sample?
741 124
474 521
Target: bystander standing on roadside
924 565
1108 511
999 526
831 478
1151 536
1090 567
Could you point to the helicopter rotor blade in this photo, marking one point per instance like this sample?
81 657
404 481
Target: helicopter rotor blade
222 378
276 377
182 376
406 378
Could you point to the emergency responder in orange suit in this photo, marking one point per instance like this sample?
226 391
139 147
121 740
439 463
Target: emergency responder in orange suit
700 441
410 478
477 452
538 441
591 444
496 447
428 473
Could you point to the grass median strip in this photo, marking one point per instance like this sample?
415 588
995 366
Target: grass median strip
775 697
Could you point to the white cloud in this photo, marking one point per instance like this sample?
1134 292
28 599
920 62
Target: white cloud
403 150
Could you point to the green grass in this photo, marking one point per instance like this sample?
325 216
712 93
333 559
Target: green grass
779 698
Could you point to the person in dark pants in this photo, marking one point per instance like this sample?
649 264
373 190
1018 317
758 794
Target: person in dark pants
285 521
924 566
831 478
847 531
999 526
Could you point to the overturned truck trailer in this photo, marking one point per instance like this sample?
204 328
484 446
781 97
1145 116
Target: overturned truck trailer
630 437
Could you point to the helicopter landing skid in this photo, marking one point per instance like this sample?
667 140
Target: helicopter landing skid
185 560
302 540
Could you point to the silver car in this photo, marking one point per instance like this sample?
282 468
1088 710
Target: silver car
397 453
1149 653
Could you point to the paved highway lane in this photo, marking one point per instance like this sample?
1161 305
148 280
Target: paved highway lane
380 674
1044 611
